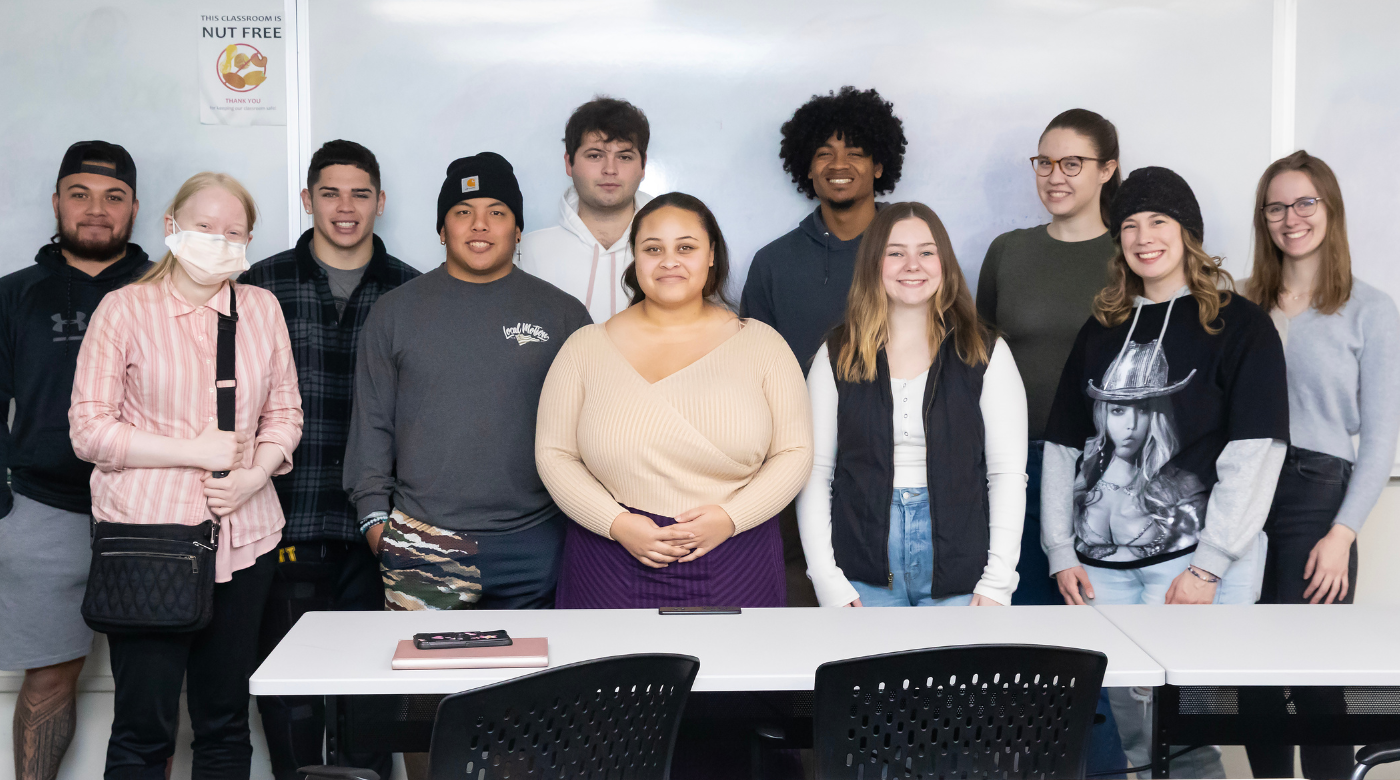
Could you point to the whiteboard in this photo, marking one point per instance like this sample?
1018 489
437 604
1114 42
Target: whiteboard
126 73
1349 115
422 82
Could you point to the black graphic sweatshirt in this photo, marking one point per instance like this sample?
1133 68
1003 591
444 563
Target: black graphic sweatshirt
44 311
1165 440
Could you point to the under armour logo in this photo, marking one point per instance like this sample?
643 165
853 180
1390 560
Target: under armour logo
61 326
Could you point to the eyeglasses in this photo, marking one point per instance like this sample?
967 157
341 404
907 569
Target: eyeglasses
1303 207
1071 166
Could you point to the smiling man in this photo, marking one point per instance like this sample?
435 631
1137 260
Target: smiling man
326 285
44 555
605 153
441 461
841 149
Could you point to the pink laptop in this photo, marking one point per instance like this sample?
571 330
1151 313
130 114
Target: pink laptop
526 652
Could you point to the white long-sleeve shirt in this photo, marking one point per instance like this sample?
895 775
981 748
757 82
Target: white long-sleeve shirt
1003 406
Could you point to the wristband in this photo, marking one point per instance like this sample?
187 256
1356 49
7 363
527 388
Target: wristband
371 520
1212 579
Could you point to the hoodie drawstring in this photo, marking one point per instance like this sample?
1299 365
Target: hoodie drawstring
612 288
69 317
1157 346
592 275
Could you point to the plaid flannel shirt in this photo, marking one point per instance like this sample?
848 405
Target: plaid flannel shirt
323 348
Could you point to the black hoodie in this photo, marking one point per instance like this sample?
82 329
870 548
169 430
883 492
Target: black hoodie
44 311
798 285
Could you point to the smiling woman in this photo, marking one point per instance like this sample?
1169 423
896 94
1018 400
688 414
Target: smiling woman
673 434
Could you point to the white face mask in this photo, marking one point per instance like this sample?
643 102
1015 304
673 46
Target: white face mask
207 258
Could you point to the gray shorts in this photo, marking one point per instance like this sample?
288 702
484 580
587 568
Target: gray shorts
44 556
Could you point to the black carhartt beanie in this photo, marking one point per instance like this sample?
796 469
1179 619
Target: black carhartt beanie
1160 190
484 175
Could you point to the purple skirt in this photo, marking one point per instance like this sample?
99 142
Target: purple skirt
746 570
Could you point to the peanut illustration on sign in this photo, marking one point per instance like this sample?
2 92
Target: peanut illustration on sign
237 58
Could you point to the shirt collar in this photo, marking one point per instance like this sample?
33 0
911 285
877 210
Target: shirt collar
176 305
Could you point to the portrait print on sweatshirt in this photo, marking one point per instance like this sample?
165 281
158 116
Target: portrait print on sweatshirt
1130 501
1147 407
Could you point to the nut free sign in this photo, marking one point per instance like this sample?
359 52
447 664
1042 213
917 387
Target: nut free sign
241 66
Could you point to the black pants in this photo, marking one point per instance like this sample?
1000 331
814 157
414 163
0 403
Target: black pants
1310 491
149 669
313 577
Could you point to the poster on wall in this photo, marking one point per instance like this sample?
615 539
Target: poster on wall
242 69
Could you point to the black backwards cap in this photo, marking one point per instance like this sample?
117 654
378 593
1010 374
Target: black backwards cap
82 156
484 175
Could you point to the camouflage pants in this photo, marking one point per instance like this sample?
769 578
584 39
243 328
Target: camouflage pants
426 567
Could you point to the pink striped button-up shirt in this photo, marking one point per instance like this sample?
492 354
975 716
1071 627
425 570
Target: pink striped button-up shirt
147 363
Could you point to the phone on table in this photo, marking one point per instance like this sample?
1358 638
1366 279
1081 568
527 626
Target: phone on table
699 610
450 639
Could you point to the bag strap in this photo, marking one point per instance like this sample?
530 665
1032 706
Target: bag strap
225 381
225 365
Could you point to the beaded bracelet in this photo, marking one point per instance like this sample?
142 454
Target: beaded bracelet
1213 579
371 520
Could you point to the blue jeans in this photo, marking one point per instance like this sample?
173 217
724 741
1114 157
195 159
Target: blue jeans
1132 707
1037 586
911 558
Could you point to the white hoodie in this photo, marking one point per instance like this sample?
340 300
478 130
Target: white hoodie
570 258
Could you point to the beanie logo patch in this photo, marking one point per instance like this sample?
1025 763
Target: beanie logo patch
471 184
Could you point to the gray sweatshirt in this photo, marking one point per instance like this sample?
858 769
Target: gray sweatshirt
447 386
1344 381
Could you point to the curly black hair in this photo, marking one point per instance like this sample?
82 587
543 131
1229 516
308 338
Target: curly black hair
861 118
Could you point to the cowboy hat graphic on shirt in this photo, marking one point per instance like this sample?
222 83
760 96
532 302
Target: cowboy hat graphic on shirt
1138 373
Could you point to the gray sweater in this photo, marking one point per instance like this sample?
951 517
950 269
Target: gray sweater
447 386
1344 381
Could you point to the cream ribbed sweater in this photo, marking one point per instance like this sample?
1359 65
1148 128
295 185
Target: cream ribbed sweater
734 428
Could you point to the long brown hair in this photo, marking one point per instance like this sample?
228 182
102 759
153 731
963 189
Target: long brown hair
1333 286
193 186
1210 284
866 328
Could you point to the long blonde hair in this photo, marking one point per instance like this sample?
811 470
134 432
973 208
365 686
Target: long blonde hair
865 331
192 186
1210 284
1334 272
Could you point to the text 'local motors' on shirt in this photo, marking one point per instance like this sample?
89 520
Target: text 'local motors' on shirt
1148 407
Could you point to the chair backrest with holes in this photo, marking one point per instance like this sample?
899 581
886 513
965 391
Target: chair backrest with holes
610 719
980 711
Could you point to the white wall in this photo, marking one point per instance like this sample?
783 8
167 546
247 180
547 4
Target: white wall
421 82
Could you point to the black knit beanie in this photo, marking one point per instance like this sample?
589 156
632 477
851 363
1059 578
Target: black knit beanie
1160 190
484 175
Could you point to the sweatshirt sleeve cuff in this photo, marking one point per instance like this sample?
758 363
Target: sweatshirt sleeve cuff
1211 559
1062 558
999 595
368 504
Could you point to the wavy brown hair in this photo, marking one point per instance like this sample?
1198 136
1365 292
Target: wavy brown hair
865 331
1333 285
1210 284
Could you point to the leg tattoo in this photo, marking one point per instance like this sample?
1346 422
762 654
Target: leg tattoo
43 729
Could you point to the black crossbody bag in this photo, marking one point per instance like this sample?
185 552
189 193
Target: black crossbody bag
160 577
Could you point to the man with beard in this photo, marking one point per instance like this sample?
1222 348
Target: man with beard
44 555
841 149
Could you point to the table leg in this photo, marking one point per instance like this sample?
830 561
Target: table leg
333 749
1164 708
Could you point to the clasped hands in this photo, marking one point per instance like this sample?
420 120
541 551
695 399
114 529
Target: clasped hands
215 450
696 532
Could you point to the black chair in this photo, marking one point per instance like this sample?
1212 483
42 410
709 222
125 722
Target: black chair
610 719
1374 755
979 711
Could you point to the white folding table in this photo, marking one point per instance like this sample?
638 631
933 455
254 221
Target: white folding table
1211 652
347 654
